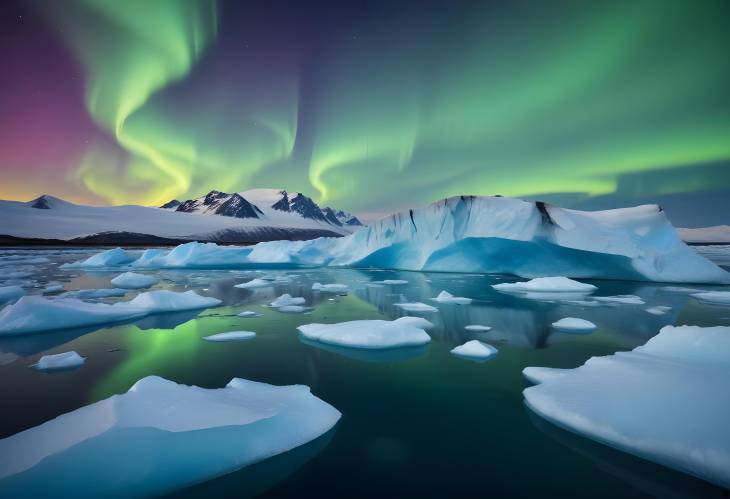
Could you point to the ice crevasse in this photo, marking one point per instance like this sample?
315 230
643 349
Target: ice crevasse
482 234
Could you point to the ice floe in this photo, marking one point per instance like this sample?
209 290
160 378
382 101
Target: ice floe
132 280
664 401
231 336
478 328
330 288
390 282
416 307
287 300
623 299
59 362
255 283
658 310
574 325
536 375
32 314
53 288
475 350
368 333
92 294
163 436
249 314
293 309
714 297
446 297
546 285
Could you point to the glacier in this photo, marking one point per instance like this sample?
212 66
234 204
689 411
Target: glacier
665 401
33 314
481 234
162 436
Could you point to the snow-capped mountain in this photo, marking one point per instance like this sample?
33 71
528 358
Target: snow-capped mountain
264 203
249 218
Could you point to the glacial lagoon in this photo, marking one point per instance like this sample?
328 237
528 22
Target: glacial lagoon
416 420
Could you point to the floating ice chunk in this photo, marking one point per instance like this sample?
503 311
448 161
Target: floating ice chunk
53 288
196 255
658 310
446 297
32 314
478 328
574 325
367 334
286 300
681 289
537 375
714 297
475 350
390 282
624 299
132 280
330 288
664 401
231 336
249 314
546 285
108 258
59 362
418 322
255 283
90 294
416 307
9 293
222 430
293 309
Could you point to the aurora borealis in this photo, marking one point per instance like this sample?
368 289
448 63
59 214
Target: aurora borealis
367 106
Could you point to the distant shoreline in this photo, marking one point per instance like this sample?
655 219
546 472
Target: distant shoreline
7 241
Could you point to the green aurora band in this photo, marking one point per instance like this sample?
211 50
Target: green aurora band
554 98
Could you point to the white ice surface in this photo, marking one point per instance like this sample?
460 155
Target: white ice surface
108 258
161 436
286 300
446 297
574 324
714 297
416 307
475 349
665 401
373 334
546 285
132 280
255 283
33 314
249 314
231 336
330 288
477 328
623 299
59 361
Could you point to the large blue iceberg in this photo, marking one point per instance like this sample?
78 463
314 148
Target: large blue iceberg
481 234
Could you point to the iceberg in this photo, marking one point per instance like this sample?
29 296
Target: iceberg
59 362
231 336
132 280
330 288
664 401
475 350
163 436
446 297
10 293
546 285
32 314
108 258
658 310
574 325
287 300
293 309
537 375
481 234
372 334
714 297
416 307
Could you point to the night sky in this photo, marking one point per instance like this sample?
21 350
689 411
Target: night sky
367 106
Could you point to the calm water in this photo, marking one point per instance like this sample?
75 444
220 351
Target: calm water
415 422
